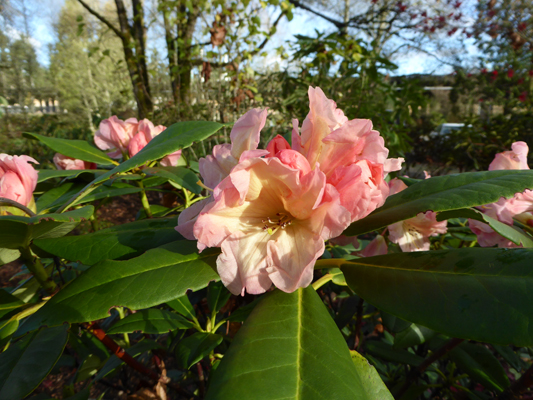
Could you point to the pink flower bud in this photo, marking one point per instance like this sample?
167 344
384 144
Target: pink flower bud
18 178
68 163
115 134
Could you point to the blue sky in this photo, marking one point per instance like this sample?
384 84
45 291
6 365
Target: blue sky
303 23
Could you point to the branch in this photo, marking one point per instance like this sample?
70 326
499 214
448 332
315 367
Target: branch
101 18
265 41
426 363
13 203
338 24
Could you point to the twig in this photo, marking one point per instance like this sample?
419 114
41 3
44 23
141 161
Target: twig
101 18
358 323
13 203
201 378
120 352
426 363
520 386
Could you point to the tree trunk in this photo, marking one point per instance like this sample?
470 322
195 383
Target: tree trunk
185 33
172 54
136 62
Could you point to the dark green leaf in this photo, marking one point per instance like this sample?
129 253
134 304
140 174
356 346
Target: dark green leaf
387 352
217 296
18 231
183 306
8 301
57 195
512 233
45 174
120 241
242 313
157 276
444 193
478 362
8 255
412 336
393 323
195 347
475 293
150 321
88 368
180 175
26 363
289 347
79 149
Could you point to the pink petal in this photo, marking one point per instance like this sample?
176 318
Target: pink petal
245 133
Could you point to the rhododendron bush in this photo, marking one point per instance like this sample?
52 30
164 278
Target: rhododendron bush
294 268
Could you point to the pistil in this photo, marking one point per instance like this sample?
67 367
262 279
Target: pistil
279 222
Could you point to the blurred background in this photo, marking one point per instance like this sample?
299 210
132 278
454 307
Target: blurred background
447 83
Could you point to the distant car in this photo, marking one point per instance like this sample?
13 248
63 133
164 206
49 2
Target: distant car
446 129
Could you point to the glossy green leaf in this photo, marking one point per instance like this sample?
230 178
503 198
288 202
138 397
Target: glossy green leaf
57 195
176 137
393 323
183 306
120 241
481 365
184 177
157 276
195 347
18 231
46 174
289 348
150 321
374 387
88 368
512 233
136 350
8 301
474 293
7 330
217 296
444 193
8 255
412 336
79 149
386 352
26 363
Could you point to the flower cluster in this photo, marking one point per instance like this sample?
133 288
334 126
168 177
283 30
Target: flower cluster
271 210
519 207
124 138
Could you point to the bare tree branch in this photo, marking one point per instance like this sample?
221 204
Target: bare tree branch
101 18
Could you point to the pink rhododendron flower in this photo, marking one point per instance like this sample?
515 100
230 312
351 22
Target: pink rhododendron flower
271 210
69 163
413 234
146 132
18 178
377 247
270 219
115 134
505 210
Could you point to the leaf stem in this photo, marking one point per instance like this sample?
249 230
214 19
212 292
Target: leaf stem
322 281
121 314
144 200
37 269
13 203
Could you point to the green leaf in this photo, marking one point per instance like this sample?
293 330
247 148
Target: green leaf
45 174
183 306
7 330
136 350
217 296
176 137
88 368
474 293
26 363
374 387
18 231
195 347
387 352
79 149
412 336
180 175
393 323
290 348
481 365
152 320
8 255
157 276
122 241
512 233
444 193
57 195
8 301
